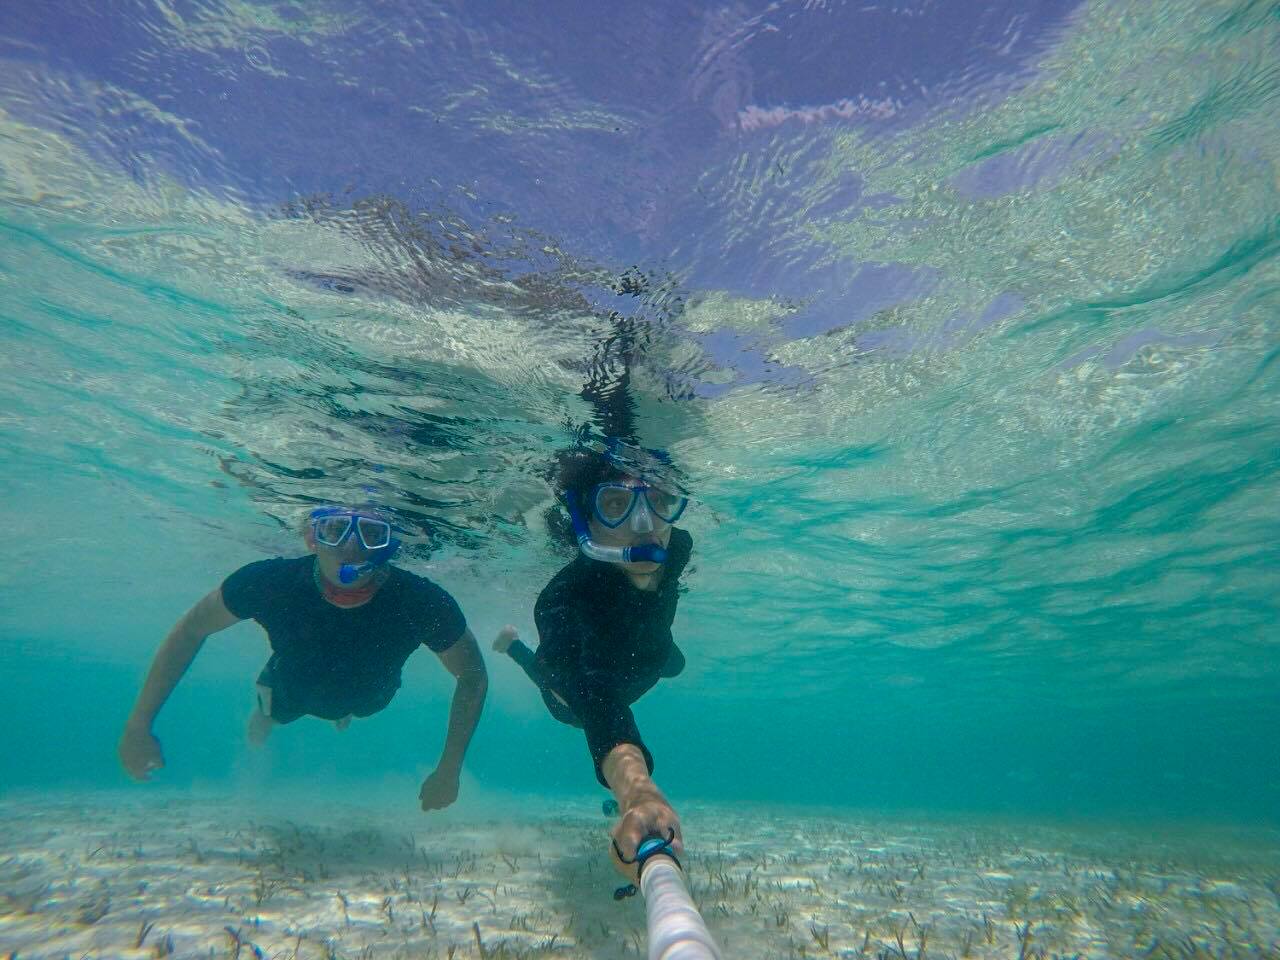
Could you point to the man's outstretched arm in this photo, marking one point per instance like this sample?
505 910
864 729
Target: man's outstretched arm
463 660
139 750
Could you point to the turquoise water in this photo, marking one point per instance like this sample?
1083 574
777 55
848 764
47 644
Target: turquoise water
975 381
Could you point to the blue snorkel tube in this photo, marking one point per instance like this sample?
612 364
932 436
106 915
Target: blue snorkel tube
641 553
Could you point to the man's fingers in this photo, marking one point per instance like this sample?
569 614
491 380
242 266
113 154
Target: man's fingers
633 830
144 773
631 834
140 767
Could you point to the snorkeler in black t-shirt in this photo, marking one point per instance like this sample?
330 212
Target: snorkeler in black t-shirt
604 621
341 622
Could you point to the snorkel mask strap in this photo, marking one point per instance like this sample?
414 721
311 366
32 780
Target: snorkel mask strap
643 553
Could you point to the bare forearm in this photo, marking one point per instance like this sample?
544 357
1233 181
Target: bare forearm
167 668
464 716
645 811
628 776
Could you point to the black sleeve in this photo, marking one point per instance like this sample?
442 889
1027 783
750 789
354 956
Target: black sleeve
674 665
591 694
245 593
528 662
608 722
438 616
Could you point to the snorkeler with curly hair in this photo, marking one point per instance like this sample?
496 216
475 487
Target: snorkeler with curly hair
604 625
604 620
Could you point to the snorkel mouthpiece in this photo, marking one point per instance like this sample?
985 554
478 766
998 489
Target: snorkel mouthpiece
641 553
351 572
644 553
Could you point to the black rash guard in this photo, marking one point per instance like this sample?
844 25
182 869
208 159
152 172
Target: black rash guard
330 661
603 643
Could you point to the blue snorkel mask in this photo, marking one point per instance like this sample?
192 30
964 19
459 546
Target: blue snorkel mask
615 503
641 553
332 526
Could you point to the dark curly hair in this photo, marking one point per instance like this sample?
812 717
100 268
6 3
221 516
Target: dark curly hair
573 472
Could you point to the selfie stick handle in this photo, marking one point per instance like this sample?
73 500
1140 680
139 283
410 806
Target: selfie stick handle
676 929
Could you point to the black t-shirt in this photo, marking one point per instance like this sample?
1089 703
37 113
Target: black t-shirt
331 661
603 643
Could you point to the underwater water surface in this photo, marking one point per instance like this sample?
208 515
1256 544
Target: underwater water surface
962 321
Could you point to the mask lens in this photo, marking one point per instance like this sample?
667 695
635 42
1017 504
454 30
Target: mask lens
331 531
613 503
374 534
666 505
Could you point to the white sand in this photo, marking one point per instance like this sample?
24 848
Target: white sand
152 873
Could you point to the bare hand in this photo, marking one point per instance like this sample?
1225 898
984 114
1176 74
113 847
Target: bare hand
139 752
505 638
439 790
649 817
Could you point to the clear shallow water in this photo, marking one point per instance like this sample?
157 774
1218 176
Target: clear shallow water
963 323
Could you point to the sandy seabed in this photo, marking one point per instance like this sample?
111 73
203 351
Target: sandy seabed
152 873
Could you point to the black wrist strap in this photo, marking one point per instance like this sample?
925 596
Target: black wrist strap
649 848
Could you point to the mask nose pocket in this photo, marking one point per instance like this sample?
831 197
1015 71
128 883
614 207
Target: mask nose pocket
641 521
